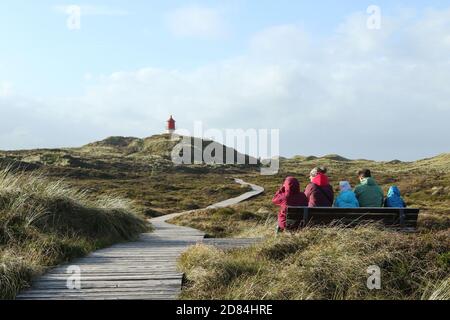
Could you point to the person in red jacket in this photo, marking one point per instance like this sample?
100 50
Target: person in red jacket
319 192
288 195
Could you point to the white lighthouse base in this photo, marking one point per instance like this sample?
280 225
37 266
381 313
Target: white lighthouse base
173 135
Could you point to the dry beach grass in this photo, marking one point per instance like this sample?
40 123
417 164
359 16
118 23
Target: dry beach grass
323 263
44 223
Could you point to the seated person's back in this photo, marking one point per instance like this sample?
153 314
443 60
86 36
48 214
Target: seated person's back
319 192
394 198
288 195
368 193
346 198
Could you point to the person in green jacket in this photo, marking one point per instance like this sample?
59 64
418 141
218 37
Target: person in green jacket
368 193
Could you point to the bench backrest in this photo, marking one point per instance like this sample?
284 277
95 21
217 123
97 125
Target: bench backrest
298 217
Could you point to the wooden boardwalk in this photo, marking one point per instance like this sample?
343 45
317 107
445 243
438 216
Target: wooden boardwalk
143 270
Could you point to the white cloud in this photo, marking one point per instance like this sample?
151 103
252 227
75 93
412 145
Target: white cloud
196 21
281 42
364 94
6 88
88 76
93 10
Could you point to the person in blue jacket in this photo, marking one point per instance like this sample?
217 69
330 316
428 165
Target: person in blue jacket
346 198
394 198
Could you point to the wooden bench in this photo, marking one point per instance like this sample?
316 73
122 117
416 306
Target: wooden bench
399 218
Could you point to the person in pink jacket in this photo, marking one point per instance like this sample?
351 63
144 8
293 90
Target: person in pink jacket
319 192
288 195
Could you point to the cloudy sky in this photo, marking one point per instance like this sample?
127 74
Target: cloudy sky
329 74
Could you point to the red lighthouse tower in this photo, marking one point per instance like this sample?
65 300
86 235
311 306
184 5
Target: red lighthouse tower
171 125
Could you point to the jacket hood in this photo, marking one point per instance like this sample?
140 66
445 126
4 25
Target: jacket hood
369 182
345 186
321 180
394 191
291 185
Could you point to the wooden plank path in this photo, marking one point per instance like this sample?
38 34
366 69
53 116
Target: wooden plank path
142 270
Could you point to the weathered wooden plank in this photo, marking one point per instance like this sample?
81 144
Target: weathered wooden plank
105 284
145 266
102 279
146 290
102 298
108 278
121 269
91 275
114 273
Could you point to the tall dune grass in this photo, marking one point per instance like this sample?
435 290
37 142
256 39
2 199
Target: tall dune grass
44 223
323 263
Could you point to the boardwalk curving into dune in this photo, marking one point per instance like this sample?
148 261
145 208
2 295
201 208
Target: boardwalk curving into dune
145 269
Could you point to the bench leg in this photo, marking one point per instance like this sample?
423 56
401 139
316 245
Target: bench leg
402 218
305 218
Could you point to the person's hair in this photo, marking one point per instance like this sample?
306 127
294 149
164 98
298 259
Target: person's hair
317 170
364 173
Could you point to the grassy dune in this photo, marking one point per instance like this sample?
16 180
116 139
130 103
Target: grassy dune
165 193
44 223
327 263
136 169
